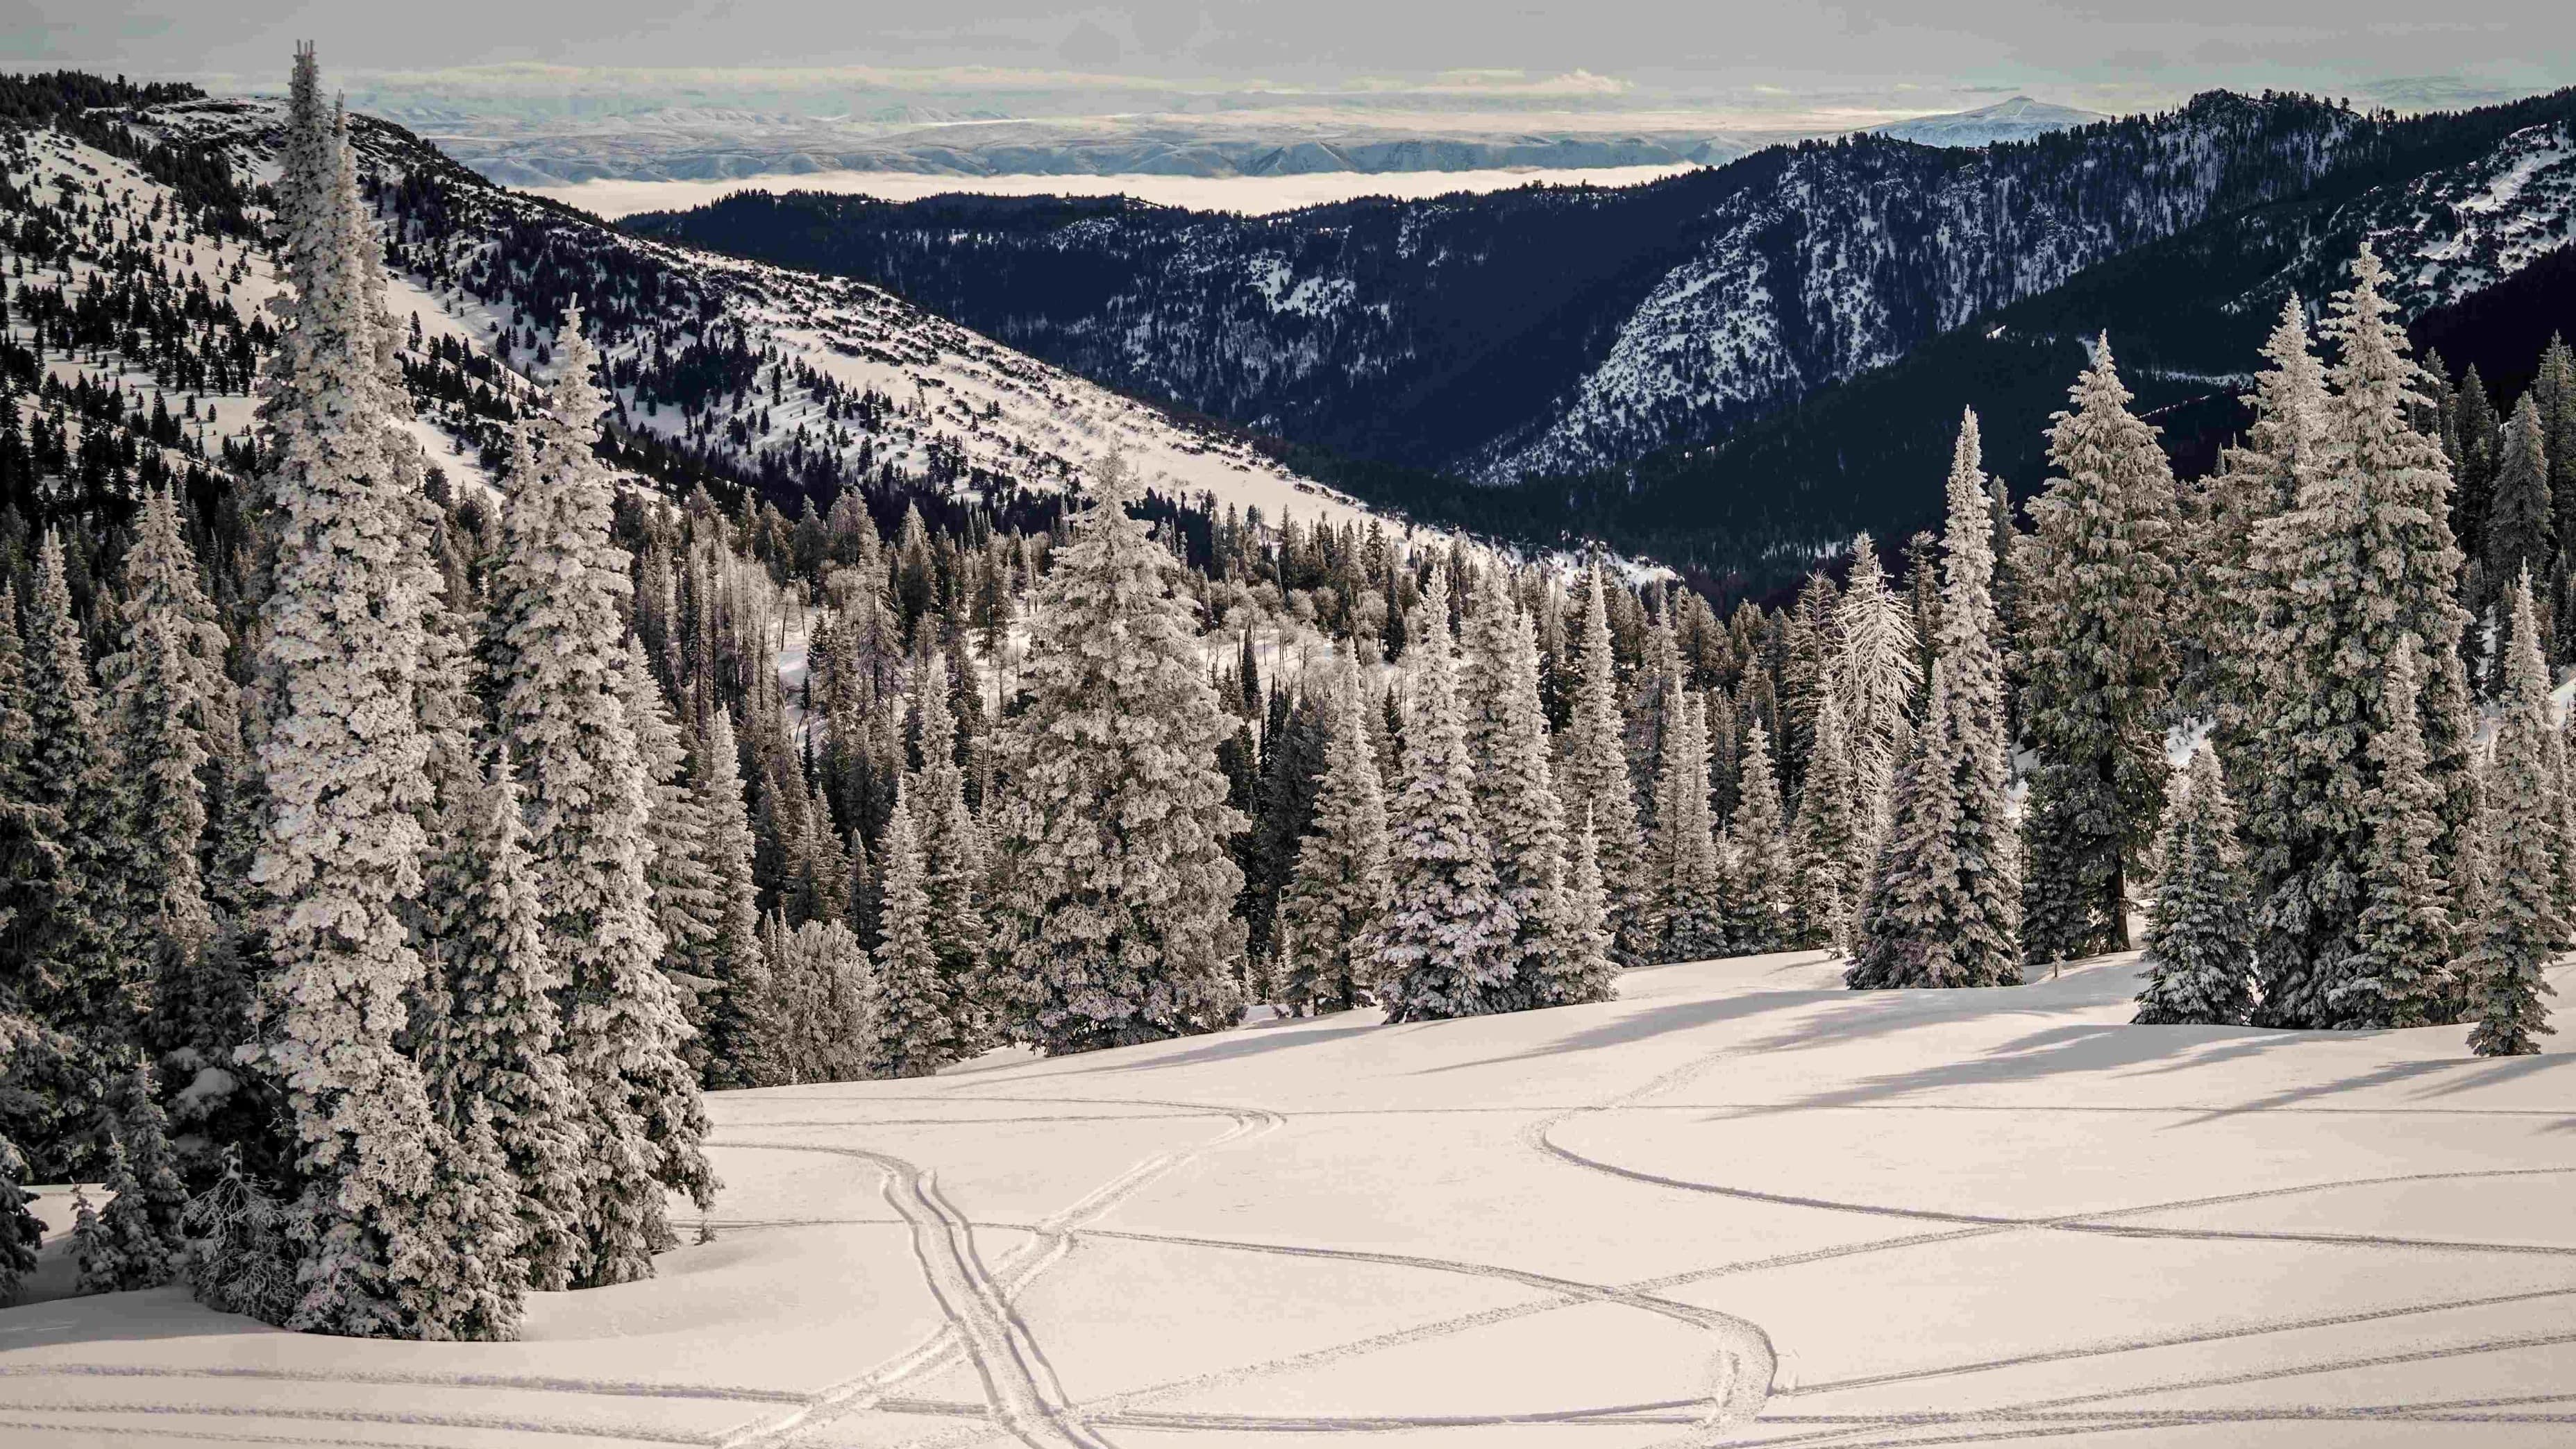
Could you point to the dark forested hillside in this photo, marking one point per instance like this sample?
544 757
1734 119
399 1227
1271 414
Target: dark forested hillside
1663 366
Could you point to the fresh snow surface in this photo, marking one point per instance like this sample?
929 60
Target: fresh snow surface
615 197
1737 1206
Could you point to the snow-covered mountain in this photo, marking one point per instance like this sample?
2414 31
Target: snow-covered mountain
776 375
1560 330
2018 119
1575 332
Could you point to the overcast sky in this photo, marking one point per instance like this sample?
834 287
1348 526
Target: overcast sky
1653 48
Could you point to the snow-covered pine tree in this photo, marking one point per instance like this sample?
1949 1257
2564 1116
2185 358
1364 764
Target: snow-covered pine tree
1763 887
1443 948
2405 937
2097 581
242 1262
80 973
1874 679
1585 971
951 842
1116 885
1971 641
1942 908
683 883
1341 883
1690 904
916 1008
489 1035
2518 928
115 1246
171 710
2521 522
1515 798
826 993
2363 560
738 1049
1825 845
560 648
20 1233
2199 956
145 1131
1596 777
340 847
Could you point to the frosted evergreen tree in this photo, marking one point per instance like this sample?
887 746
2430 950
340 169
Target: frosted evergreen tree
2361 561
1117 888
1340 886
489 1036
1763 888
2199 955
1585 973
2097 581
916 1009
560 648
2518 929
1943 904
1516 801
81 975
736 1048
1596 776
340 848
951 842
1443 948
1875 675
1690 904
20 1233
172 710
683 881
1932 916
242 1261
115 1247
2521 522
2404 940
1826 846
825 988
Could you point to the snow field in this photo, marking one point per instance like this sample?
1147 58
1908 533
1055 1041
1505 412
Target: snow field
1739 1205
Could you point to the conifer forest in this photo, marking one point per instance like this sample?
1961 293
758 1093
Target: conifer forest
545 791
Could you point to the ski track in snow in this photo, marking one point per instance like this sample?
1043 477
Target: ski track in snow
1025 1402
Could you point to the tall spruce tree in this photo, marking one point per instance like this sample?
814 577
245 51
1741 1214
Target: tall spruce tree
1340 887
2097 582
1116 885
172 711
953 872
1826 845
560 650
1515 797
2199 958
1875 676
80 973
488 1034
916 1006
2361 561
1690 905
683 883
1596 777
736 1047
1444 946
2521 523
2518 928
2404 939
1762 887
340 848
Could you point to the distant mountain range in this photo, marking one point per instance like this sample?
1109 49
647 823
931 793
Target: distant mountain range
1651 364
2018 119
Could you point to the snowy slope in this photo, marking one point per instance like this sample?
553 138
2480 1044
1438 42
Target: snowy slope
1738 1206
958 394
